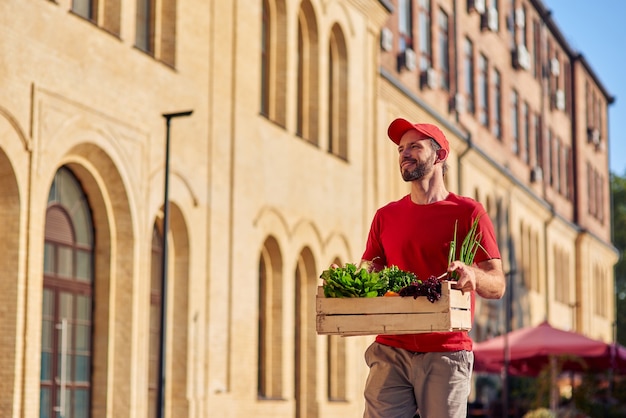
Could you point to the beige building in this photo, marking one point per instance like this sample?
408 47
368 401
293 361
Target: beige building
275 175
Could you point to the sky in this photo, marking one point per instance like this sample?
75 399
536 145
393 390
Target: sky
597 30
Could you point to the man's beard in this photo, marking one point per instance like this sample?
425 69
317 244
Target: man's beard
420 170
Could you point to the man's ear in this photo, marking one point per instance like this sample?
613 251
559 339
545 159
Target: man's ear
442 154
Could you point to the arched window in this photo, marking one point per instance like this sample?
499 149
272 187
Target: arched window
308 95
274 61
66 340
338 94
270 322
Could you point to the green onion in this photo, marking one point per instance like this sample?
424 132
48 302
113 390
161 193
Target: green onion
469 246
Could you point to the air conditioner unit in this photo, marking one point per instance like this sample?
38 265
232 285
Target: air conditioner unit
536 174
555 67
410 59
522 57
386 39
429 78
478 5
559 99
593 135
490 19
458 103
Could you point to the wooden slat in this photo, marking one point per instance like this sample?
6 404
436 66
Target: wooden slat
392 323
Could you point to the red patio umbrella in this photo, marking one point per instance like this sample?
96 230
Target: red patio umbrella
530 350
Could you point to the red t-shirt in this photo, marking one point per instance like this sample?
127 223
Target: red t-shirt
417 238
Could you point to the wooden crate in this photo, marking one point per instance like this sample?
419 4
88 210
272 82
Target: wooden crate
393 314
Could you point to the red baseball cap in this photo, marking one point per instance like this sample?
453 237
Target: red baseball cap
401 126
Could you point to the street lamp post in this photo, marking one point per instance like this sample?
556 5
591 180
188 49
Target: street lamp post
166 214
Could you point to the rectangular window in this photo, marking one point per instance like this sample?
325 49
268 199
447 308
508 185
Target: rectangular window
536 49
538 141
569 174
468 61
555 67
599 197
85 8
590 195
495 9
405 24
561 267
265 61
510 23
559 164
525 247
525 133
600 290
599 113
483 90
155 29
424 35
497 105
444 50
515 145
145 26
566 86
550 158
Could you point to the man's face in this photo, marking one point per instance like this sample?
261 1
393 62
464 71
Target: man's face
415 155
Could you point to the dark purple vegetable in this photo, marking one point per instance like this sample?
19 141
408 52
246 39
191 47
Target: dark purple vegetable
431 288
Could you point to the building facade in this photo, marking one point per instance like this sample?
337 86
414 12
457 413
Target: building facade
274 175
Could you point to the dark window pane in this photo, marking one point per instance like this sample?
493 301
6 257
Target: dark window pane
65 257
44 401
81 403
83 337
82 369
81 220
47 330
83 8
83 265
66 310
61 369
46 367
48 258
48 304
83 308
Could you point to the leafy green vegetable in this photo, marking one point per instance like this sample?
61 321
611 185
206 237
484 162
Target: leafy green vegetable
397 279
351 281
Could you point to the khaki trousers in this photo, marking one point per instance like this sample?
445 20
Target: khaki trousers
402 383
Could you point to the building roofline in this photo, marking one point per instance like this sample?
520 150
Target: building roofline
387 5
574 55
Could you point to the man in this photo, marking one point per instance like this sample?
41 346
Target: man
429 372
